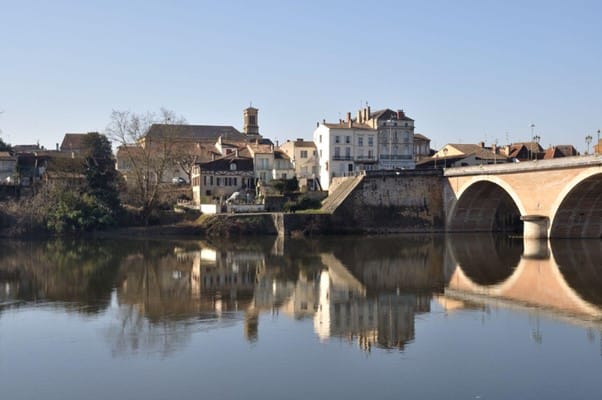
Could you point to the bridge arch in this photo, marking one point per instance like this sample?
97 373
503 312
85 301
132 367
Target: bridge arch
486 204
577 212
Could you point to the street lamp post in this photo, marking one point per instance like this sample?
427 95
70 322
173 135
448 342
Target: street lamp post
588 140
532 126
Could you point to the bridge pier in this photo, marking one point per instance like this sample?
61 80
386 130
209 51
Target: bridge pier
536 249
535 226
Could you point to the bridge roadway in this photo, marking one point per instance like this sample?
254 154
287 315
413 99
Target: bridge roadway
560 198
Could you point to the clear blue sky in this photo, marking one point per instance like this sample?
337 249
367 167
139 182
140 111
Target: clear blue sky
466 71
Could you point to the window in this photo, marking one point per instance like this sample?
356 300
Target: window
303 153
360 141
252 120
235 181
337 139
347 139
320 153
320 139
218 181
348 152
370 140
233 167
337 151
211 180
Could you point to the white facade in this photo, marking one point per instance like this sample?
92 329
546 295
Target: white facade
380 140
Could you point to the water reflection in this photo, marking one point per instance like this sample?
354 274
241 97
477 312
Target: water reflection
367 290
561 276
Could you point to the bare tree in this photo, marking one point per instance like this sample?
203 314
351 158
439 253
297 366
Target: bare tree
145 154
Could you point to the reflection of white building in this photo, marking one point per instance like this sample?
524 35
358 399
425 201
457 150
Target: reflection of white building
345 311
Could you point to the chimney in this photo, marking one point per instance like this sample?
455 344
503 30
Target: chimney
348 117
368 112
482 144
494 148
365 118
57 147
359 117
276 142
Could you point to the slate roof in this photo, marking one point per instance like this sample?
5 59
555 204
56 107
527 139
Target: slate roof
223 164
197 132
387 113
73 141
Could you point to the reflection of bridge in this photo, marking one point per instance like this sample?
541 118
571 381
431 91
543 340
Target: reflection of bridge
554 198
538 278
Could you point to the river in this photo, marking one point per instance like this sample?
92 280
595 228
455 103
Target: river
350 317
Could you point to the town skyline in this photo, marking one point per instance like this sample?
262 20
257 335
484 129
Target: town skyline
465 72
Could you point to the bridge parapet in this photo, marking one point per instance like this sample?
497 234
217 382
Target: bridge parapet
526 166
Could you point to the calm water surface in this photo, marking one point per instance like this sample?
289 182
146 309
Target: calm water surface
465 317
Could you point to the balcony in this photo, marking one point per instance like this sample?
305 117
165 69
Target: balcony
396 157
365 159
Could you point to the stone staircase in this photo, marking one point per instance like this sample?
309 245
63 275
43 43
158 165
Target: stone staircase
339 192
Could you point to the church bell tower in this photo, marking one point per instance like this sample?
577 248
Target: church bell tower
251 125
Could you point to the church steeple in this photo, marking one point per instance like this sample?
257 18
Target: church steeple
251 125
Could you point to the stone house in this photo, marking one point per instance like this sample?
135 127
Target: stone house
191 144
220 178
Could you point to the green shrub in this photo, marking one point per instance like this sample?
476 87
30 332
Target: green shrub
75 212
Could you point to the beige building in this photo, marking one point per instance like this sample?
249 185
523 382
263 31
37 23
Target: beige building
304 157
270 163
422 147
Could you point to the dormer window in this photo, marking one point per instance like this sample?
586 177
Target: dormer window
233 167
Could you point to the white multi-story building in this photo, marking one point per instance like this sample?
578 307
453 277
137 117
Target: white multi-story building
373 140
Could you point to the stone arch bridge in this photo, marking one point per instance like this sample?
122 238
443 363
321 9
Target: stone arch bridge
560 198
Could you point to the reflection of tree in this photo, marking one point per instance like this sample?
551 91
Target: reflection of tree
135 332
78 274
